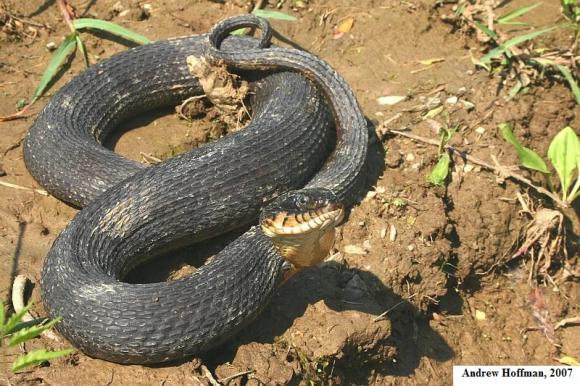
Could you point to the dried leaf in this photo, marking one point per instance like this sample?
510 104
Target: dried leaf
434 112
345 26
569 360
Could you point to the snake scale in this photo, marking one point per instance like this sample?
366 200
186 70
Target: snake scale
130 212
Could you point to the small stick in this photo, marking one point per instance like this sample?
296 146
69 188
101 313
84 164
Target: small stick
9 185
381 316
565 322
227 379
210 378
66 14
486 165
259 5
15 116
149 158
26 21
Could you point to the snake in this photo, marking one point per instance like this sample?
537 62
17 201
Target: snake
287 176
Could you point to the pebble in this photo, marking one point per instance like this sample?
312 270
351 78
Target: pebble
468 105
452 100
390 100
392 233
355 288
354 250
367 245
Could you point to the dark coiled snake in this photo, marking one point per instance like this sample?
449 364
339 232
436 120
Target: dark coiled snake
278 168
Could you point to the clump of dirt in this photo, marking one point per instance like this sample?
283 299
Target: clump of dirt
224 90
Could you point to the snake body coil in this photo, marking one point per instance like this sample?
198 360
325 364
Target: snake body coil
133 212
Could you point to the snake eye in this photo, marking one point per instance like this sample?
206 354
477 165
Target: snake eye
301 200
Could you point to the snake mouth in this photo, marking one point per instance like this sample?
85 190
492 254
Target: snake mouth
301 225
285 223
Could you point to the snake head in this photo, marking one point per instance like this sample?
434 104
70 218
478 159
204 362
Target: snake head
301 225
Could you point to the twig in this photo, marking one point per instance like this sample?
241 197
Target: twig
210 378
259 4
66 14
227 379
7 83
14 145
9 185
565 322
381 316
112 377
149 158
15 116
26 21
503 172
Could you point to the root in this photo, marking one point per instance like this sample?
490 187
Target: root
18 304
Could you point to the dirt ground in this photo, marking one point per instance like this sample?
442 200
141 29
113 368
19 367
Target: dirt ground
421 278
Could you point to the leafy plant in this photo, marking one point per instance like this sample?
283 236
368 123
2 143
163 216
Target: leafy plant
68 47
563 153
74 41
14 331
440 171
514 55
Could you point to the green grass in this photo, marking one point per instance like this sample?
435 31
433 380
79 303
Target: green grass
505 58
73 42
14 331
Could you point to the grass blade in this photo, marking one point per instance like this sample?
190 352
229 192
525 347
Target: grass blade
36 357
513 42
14 320
111 28
516 13
570 79
515 90
83 50
486 30
528 158
459 11
273 15
64 51
28 333
20 325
